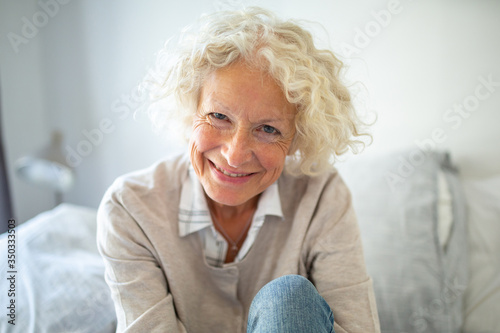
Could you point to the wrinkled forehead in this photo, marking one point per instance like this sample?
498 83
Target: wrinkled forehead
240 86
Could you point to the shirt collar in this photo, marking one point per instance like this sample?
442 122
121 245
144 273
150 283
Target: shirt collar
193 209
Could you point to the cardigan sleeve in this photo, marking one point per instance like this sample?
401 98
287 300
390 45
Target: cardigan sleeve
336 264
138 285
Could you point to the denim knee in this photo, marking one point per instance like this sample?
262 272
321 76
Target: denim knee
286 288
290 303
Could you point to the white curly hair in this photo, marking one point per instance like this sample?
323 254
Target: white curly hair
326 122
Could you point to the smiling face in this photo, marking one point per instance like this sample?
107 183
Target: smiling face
242 133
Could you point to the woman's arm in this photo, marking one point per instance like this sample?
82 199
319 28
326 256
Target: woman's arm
336 262
137 282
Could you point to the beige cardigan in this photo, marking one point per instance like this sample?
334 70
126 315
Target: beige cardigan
161 282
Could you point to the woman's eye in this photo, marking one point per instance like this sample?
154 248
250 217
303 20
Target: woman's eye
269 129
219 116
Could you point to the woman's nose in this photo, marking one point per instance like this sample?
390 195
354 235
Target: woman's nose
238 148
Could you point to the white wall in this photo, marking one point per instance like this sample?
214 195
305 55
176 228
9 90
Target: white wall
24 118
85 62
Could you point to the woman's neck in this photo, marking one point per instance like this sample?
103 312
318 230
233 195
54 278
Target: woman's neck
225 213
233 223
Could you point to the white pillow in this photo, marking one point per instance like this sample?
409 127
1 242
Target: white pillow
445 210
411 213
482 297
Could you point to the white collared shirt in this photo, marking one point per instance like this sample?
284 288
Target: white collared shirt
194 216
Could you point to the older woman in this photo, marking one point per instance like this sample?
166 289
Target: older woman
252 230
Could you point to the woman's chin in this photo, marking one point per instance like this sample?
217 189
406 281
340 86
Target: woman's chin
229 200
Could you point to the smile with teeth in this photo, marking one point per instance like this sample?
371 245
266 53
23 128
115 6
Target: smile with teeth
231 174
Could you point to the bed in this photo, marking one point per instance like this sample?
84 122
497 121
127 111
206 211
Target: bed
431 242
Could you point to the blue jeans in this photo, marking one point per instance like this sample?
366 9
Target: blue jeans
289 304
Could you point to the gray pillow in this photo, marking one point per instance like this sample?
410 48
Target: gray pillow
419 279
59 275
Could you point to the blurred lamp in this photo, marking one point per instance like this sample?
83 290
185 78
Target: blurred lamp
47 168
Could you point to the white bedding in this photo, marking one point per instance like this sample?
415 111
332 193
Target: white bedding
59 282
482 298
413 226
